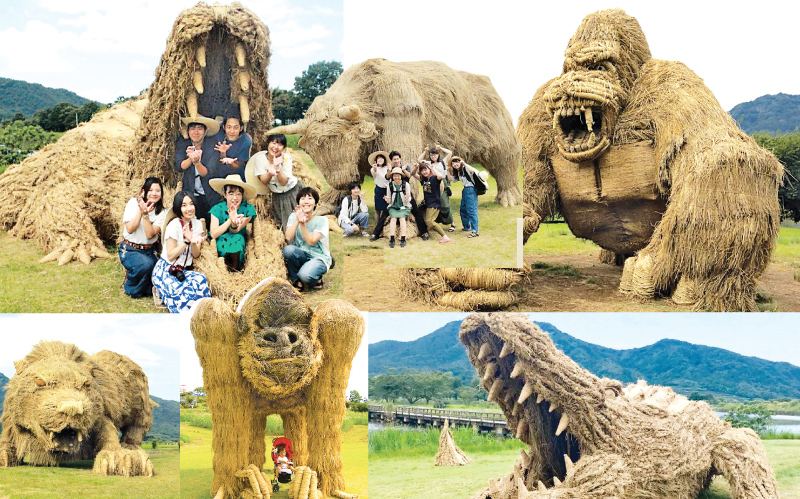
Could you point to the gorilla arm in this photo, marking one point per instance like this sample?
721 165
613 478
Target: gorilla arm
540 192
339 328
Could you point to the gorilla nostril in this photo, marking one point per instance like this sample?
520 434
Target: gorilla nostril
270 336
292 338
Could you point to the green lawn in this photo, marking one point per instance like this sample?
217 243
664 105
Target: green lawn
76 480
417 477
196 456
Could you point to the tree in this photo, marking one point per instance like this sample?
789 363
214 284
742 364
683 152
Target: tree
753 415
354 396
19 140
314 82
786 148
282 107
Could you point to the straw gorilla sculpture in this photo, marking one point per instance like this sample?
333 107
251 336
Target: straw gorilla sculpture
639 157
275 356
64 405
590 437
383 105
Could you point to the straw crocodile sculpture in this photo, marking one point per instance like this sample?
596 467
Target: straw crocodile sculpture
591 438
275 356
65 405
639 157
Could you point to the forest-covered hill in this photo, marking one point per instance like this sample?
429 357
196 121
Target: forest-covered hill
18 96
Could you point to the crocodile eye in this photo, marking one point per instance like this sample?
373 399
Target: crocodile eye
40 382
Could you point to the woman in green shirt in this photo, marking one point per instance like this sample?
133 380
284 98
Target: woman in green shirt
229 219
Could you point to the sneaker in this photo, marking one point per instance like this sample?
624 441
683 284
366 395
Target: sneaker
445 239
373 237
157 299
402 243
473 234
366 234
345 234
425 236
391 243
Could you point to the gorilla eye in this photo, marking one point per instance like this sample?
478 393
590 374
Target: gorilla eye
40 382
87 383
597 67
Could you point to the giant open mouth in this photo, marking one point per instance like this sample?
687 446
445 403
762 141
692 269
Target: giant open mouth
580 130
540 423
67 440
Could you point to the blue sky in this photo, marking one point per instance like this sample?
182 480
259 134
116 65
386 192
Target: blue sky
771 336
103 49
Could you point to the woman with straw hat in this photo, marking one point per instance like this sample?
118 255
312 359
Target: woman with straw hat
398 197
439 164
271 171
379 170
229 219
198 160
174 283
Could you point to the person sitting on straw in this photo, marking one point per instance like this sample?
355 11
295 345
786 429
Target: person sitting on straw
439 164
353 213
379 171
397 162
307 254
431 181
271 171
174 283
233 145
229 219
398 197
198 160
141 223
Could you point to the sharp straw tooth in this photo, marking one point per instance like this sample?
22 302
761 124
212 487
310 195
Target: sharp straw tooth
484 351
80 438
589 119
201 56
539 398
562 424
527 390
52 434
569 464
541 487
522 427
515 411
495 390
556 481
555 119
505 351
197 79
515 373
241 54
490 370
553 407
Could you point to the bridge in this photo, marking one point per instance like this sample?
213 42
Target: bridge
426 416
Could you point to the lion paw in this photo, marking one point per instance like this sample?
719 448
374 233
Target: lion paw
123 462
74 249
258 485
8 456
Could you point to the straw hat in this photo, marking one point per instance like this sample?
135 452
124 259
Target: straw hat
212 125
218 184
250 172
484 175
374 156
397 169
454 158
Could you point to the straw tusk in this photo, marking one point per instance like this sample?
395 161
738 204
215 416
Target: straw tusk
484 351
505 351
244 81
556 481
562 424
569 464
541 487
539 398
241 54
494 391
522 426
191 104
517 370
244 108
553 407
527 390
198 81
490 370
201 56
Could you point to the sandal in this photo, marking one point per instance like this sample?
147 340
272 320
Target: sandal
299 285
473 234
452 228
319 284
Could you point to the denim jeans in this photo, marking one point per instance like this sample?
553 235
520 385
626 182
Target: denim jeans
361 219
469 209
139 265
302 266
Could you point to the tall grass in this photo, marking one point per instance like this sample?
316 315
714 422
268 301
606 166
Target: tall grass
393 442
201 418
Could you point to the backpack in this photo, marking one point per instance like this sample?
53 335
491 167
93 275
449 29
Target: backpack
480 185
338 208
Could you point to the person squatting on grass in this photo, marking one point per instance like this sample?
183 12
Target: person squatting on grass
229 219
233 145
431 184
396 162
307 254
379 171
141 224
274 171
439 164
398 197
353 212
467 175
174 283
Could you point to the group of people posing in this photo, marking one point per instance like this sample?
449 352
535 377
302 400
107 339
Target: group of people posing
219 182
395 202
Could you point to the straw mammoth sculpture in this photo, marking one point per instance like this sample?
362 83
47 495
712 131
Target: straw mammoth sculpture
64 405
383 105
639 157
275 356
590 437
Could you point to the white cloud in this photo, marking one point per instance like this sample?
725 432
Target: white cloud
139 65
291 34
35 49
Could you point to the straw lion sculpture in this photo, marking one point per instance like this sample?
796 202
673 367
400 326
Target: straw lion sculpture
590 437
64 405
639 157
383 105
275 356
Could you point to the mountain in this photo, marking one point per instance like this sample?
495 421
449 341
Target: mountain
18 96
684 366
166 420
769 113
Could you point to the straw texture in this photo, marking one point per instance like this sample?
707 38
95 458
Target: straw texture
449 454
465 289
639 157
590 437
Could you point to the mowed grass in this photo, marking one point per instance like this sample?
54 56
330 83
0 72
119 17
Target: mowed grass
496 247
415 477
76 480
393 442
196 462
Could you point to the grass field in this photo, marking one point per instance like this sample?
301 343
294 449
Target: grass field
415 477
76 480
196 456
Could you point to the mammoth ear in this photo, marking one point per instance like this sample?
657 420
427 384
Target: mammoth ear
367 131
302 141
20 365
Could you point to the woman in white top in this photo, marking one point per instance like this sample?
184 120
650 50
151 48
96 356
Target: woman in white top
380 167
271 171
141 223
174 283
